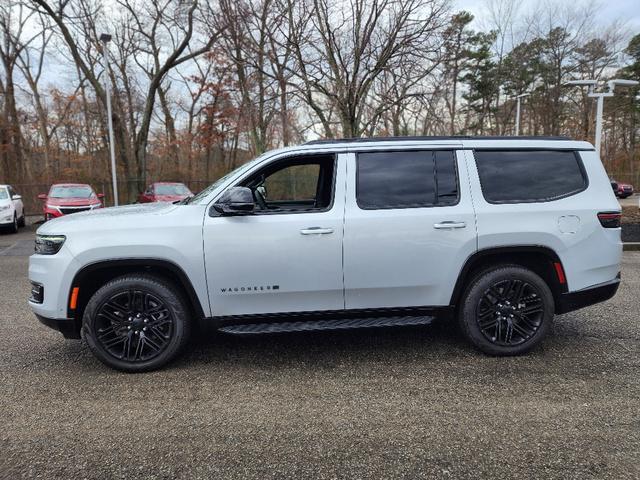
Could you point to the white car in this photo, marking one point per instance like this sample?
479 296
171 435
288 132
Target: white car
11 209
498 234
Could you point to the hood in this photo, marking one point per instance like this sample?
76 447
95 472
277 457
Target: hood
134 215
5 201
72 202
169 198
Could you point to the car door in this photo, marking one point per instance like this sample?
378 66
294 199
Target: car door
286 256
409 227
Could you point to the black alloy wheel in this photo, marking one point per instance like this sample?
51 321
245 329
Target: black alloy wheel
134 325
136 322
506 310
510 312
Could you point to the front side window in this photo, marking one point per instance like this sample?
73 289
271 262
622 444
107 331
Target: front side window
529 175
296 184
406 179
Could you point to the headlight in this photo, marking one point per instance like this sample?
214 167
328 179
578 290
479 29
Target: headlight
4 208
49 244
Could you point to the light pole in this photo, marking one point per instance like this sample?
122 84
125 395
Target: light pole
518 97
599 96
105 38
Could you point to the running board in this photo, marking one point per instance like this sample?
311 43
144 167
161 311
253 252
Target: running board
317 325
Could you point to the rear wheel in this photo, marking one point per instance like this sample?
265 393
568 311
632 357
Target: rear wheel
507 310
136 323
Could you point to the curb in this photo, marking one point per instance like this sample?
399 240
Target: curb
631 246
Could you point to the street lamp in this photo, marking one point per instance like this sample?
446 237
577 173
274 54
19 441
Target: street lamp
518 97
600 99
105 38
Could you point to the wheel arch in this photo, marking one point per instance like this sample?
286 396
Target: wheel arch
540 259
92 276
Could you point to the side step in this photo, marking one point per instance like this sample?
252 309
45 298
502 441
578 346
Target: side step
317 325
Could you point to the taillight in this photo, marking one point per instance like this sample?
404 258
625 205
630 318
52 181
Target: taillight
610 219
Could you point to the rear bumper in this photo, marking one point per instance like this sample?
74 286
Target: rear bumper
587 296
67 326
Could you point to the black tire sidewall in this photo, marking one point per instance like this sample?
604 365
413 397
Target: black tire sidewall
157 286
475 290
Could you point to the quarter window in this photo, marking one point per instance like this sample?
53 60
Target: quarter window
529 176
406 179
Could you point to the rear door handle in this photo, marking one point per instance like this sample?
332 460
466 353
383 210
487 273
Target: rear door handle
316 231
449 225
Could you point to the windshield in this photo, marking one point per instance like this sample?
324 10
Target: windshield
177 189
71 192
3 194
242 168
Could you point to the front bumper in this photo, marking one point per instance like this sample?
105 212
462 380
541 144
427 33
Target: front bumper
69 327
6 218
571 301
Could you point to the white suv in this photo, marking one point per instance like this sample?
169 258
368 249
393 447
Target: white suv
11 209
500 234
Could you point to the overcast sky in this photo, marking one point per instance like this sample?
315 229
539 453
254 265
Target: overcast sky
608 11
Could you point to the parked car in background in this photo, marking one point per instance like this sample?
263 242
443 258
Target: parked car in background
624 190
66 198
614 185
11 209
165 192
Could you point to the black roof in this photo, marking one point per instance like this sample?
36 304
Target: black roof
452 137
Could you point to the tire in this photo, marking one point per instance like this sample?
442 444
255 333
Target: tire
506 310
136 323
21 221
13 228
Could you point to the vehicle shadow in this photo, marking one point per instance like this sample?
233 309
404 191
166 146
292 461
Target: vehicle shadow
323 348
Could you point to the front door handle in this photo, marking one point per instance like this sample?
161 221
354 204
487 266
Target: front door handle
316 231
449 225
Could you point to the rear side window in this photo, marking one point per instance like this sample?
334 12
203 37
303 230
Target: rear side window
406 179
529 175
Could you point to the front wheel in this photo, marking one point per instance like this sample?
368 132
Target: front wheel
136 323
507 310
13 228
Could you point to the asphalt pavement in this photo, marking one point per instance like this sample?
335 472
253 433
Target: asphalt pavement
414 402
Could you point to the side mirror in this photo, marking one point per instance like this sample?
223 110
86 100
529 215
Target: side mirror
42 196
16 197
235 201
101 195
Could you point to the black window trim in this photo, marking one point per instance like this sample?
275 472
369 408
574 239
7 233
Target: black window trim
575 152
454 150
285 159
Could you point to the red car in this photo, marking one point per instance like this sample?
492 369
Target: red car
624 190
66 198
165 192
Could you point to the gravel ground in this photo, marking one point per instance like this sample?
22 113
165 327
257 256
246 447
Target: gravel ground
393 403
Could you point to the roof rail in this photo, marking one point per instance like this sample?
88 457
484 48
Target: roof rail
422 138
